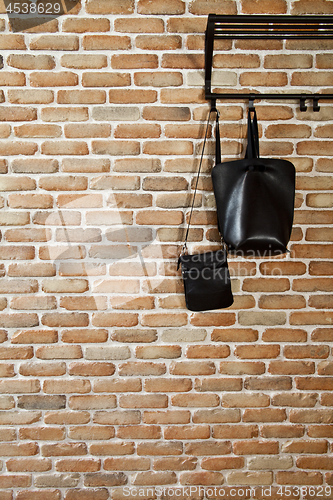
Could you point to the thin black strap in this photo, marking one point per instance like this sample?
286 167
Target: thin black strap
197 181
218 141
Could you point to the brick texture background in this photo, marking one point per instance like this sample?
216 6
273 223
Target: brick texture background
107 380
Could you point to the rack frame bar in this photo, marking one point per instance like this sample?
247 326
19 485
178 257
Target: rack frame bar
273 27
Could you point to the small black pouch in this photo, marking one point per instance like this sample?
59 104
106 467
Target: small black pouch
206 280
205 275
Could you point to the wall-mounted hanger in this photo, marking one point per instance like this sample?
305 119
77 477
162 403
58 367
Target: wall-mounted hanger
243 27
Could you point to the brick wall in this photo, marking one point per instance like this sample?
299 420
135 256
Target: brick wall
107 381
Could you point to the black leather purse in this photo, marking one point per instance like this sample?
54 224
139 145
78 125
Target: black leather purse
206 276
254 198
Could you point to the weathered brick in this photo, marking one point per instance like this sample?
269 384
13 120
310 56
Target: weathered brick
133 368
116 417
64 148
12 42
86 96
190 400
59 352
63 449
57 79
210 448
65 319
281 302
21 449
233 335
87 130
90 432
68 386
166 113
55 42
35 165
9 148
128 61
255 446
143 401
150 478
175 463
158 79
12 79
65 114
11 481
19 418
291 367
115 448
105 79
168 385
264 415
222 463
84 25
244 400
201 478
30 96
166 417
299 477
48 369
227 431
90 369
18 320
83 61
26 61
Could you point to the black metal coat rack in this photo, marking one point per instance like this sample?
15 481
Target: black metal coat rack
243 27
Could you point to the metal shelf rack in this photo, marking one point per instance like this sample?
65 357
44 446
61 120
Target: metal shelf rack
264 27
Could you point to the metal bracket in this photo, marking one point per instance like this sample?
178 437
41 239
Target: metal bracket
302 105
315 105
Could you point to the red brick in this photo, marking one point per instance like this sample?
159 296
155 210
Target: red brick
299 478
256 447
222 463
227 431
110 7
55 42
208 448
291 367
201 478
128 61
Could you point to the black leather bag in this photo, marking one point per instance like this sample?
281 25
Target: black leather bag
206 275
254 198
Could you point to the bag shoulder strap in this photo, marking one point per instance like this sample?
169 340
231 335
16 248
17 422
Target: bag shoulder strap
252 150
197 179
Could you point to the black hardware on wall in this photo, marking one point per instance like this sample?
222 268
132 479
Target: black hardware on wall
243 27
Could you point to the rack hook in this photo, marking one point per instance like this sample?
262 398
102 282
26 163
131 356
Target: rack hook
302 105
316 106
